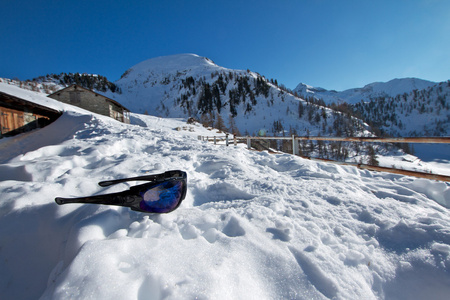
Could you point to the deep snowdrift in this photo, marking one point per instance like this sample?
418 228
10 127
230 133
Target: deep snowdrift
253 225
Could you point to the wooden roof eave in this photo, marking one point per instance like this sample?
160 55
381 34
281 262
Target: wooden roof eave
11 102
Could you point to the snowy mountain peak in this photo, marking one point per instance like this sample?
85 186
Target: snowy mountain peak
303 88
171 64
398 86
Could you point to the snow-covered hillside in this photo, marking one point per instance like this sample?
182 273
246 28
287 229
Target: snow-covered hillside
146 86
371 91
188 85
253 225
401 107
419 113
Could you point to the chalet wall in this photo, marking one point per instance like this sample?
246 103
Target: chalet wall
14 121
84 99
91 101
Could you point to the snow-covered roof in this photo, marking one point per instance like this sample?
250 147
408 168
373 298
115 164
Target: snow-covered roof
12 101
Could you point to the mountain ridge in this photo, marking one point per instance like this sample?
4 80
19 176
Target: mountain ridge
170 64
391 88
188 85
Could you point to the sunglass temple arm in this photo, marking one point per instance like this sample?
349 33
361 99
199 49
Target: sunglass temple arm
162 176
110 199
139 178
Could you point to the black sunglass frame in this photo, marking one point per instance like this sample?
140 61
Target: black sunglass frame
131 198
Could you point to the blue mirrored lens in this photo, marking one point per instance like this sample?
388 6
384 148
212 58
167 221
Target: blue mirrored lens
163 197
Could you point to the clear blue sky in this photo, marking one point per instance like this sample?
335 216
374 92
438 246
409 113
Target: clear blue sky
327 43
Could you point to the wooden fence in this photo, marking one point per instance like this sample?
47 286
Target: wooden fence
296 149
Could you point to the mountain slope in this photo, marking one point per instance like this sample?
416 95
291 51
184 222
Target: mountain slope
188 85
148 84
400 107
418 113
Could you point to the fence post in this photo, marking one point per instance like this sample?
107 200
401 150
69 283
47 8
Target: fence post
235 140
294 145
215 142
249 143
226 140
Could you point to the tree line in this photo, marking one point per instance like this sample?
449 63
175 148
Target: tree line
89 81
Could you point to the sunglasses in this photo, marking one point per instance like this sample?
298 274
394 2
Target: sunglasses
162 194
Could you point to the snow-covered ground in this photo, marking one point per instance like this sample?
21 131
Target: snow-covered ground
253 225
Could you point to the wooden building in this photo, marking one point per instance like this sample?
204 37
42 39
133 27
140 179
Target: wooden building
18 115
92 101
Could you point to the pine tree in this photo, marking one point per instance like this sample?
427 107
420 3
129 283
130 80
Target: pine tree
301 109
372 159
233 128
220 124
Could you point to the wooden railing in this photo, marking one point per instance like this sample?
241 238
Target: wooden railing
296 150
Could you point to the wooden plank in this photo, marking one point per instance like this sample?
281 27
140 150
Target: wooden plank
4 121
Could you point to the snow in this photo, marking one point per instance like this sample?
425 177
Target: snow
253 225
173 63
